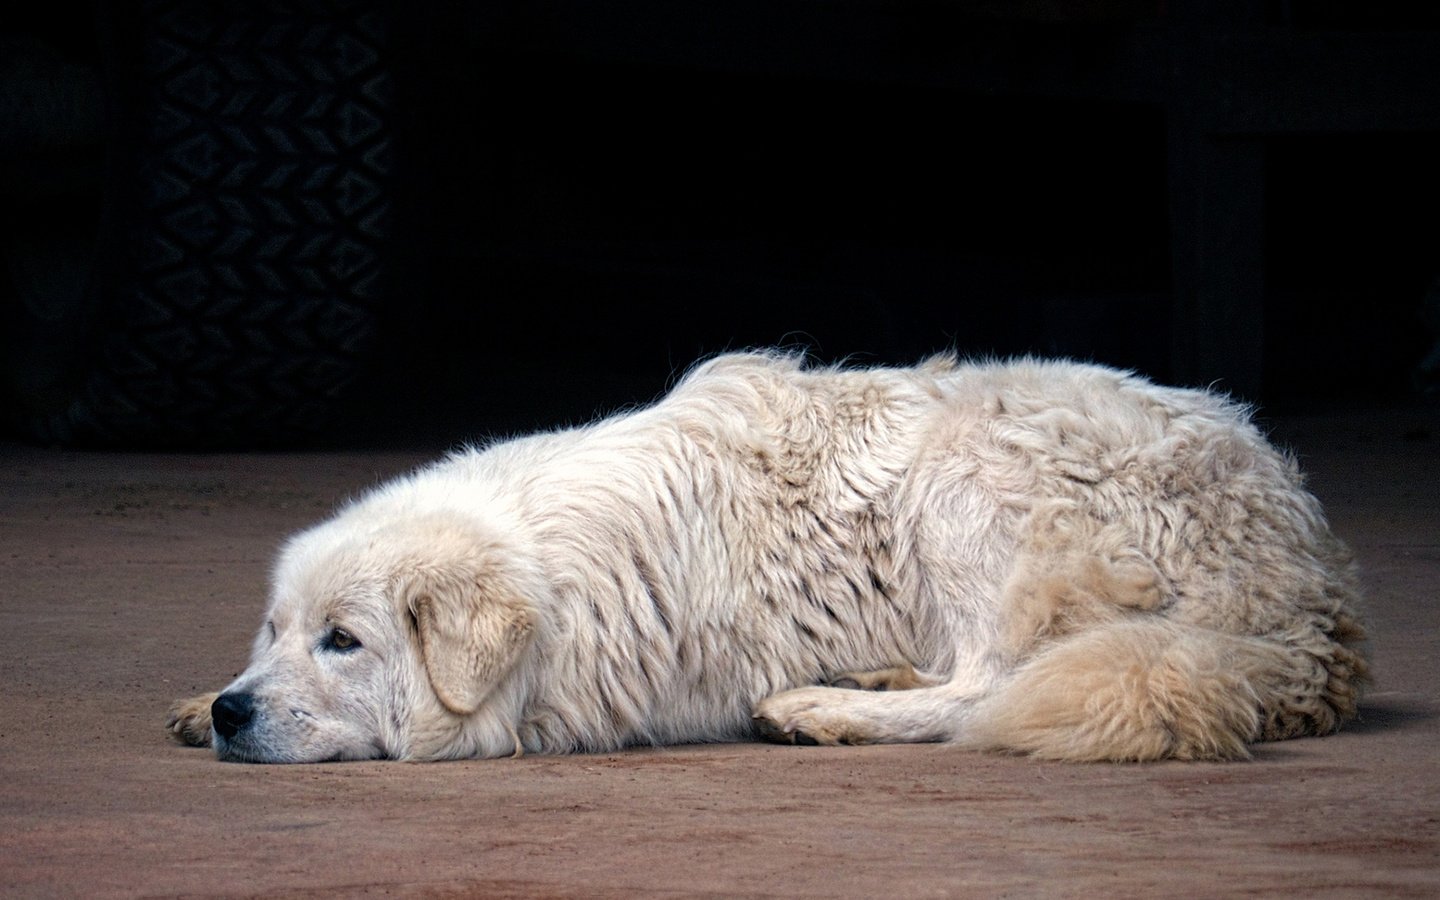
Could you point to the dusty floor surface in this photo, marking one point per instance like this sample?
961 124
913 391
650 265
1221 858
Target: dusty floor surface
127 581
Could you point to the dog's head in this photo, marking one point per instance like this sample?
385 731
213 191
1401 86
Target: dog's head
396 640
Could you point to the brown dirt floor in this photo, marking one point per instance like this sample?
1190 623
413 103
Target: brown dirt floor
129 580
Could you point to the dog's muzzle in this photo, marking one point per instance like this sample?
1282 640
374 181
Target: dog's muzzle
232 712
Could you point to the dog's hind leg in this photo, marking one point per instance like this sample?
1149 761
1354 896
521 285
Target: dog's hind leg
837 715
895 678
189 720
1138 690
1134 690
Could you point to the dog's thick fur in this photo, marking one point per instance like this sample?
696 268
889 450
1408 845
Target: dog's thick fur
1037 557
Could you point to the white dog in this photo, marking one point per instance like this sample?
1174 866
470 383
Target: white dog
1036 557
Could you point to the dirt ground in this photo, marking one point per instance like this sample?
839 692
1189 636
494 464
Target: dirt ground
129 580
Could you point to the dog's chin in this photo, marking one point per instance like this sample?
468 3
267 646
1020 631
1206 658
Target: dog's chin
246 751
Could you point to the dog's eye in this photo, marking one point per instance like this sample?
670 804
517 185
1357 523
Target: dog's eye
341 641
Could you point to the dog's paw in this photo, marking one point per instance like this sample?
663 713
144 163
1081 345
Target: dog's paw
804 716
189 720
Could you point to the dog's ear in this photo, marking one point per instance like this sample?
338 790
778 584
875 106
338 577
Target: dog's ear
470 642
472 625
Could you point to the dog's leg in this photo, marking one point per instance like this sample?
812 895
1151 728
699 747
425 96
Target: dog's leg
895 678
189 720
834 715
1135 690
1140 690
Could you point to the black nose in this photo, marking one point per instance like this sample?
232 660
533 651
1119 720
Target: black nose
231 712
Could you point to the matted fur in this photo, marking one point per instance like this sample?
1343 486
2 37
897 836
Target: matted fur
1036 557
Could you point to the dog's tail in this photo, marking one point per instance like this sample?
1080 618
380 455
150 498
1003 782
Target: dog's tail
1146 688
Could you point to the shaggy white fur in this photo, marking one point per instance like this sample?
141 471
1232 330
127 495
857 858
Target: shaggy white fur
1038 557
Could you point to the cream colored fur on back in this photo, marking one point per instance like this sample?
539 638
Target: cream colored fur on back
1056 559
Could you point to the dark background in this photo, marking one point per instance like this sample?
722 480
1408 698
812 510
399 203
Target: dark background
578 200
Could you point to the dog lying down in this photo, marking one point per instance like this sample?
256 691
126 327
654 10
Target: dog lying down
1036 557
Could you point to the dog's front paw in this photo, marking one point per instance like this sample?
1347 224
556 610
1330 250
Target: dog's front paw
803 716
189 720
